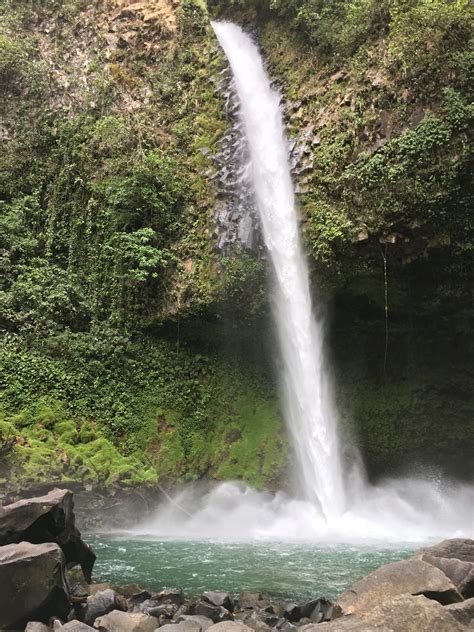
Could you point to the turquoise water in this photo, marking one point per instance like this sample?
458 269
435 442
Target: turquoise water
283 570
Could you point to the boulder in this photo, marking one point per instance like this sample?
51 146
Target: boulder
137 598
48 518
182 626
219 599
166 610
412 577
215 613
229 626
76 626
455 558
118 621
102 603
169 595
455 548
463 611
286 626
256 623
36 626
155 608
408 613
95 588
292 612
204 622
249 599
349 623
33 584
317 610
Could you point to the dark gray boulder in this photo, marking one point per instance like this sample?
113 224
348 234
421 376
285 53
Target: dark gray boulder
48 518
33 584
137 598
318 610
102 603
219 599
215 613
169 595
292 612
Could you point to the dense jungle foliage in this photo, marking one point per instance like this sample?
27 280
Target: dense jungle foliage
132 351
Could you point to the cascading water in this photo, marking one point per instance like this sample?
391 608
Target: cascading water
309 412
337 505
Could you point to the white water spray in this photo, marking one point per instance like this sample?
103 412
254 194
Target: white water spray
337 506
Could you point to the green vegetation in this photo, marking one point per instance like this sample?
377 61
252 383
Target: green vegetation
124 333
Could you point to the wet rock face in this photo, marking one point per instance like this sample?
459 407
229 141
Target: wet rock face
48 518
33 584
235 215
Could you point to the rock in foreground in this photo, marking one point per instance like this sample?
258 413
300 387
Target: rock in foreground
410 577
48 518
33 584
455 558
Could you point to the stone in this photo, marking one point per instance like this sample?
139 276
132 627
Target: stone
350 623
229 626
166 610
138 598
255 623
412 577
249 599
145 606
48 518
118 621
216 613
455 558
460 573
292 612
76 626
102 603
36 626
219 599
33 581
318 610
78 587
95 588
455 548
204 622
182 626
462 611
169 595
408 613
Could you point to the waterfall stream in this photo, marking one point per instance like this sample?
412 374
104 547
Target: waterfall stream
334 502
309 411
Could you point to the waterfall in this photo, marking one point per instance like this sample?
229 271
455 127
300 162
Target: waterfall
337 504
309 411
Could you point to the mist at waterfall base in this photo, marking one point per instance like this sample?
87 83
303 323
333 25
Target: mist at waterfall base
336 503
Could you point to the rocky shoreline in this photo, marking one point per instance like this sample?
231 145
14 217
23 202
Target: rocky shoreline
46 574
